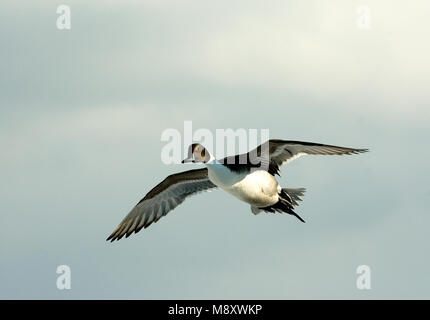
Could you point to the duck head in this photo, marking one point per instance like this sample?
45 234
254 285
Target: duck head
197 154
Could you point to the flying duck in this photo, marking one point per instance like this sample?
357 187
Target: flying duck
250 177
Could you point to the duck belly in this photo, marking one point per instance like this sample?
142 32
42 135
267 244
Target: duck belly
259 189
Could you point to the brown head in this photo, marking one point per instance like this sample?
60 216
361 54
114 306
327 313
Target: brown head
197 153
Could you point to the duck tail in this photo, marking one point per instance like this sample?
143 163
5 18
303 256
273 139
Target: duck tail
287 200
295 194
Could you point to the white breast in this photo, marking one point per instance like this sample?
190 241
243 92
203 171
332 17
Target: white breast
258 188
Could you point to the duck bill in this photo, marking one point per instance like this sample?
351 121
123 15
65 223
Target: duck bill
188 160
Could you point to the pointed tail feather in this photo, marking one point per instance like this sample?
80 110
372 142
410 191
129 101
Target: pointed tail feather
287 199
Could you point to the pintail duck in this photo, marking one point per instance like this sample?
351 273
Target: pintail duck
249 177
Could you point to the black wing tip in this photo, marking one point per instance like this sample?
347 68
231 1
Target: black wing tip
118 234
116 237
360 150
350 151
112 237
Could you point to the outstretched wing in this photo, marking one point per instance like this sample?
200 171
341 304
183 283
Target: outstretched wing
166 196
280 151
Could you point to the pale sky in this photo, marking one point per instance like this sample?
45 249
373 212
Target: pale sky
83 110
